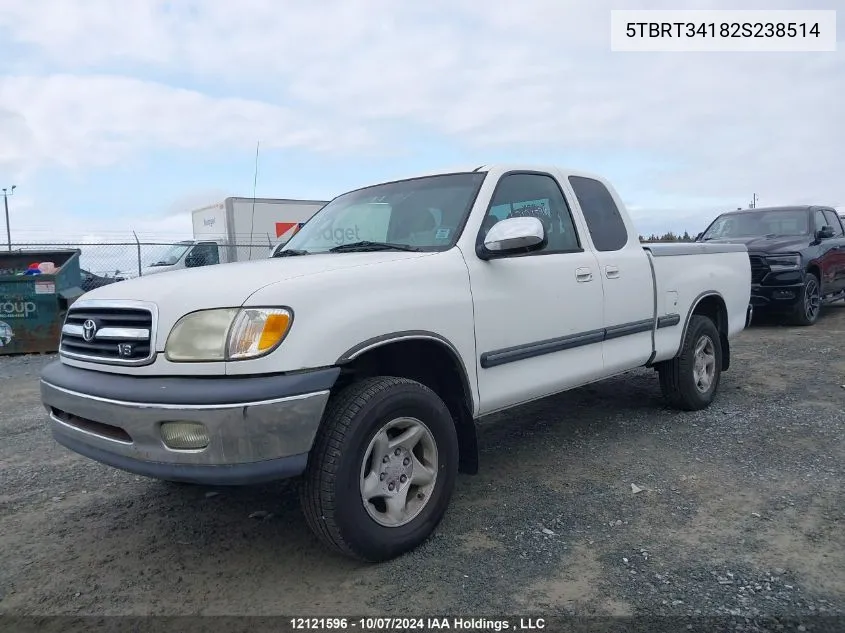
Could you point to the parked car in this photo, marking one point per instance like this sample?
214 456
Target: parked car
797 256
91 281
402 313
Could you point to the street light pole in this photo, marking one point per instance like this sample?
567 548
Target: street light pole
6 205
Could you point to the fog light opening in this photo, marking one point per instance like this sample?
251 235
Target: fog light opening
184 436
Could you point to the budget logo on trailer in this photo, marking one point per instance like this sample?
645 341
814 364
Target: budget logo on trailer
284 227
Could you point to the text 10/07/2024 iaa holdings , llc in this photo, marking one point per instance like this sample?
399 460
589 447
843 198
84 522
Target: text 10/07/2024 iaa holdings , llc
422 624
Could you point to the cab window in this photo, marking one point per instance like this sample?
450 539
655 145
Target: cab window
534 195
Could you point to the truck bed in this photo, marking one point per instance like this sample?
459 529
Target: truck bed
679 285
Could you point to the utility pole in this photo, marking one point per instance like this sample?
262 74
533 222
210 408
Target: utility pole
754 199
6 194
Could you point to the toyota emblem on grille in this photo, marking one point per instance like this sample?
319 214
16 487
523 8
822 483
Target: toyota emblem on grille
89 330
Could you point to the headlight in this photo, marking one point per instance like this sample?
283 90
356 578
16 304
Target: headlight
200 336
227 334
779 263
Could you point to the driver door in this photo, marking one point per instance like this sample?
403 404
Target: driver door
203 254
538 316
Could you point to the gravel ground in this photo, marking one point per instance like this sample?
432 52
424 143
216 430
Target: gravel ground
740 511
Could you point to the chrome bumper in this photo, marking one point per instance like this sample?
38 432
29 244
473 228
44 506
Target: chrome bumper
248 441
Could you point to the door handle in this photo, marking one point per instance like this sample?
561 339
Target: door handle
583 274
611 272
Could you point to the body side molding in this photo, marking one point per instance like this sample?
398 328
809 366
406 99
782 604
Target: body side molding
539 348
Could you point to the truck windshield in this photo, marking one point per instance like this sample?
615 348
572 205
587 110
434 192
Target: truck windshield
171 255
425 213
755 223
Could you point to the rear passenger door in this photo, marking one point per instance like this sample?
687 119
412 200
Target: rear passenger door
625 274
837 250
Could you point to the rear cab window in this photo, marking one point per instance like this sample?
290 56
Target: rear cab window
604 221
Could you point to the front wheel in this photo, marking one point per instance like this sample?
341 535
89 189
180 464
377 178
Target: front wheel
806 311
689 381
382 469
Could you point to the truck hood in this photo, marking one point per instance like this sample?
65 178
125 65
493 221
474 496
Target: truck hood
229 285
784 244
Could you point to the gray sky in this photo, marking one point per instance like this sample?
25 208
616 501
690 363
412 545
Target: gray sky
98 95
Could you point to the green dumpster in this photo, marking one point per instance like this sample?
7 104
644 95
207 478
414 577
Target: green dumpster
33 306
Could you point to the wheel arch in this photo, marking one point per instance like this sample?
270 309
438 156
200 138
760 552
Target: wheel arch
430 359
712 305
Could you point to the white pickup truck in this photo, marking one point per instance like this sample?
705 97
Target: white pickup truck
396 318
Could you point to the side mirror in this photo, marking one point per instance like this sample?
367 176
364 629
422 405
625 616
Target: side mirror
512 235
824 233
192 261
698 237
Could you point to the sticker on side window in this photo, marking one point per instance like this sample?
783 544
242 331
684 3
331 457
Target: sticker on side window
531 208
442 234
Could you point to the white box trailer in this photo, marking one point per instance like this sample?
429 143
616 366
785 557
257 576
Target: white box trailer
236 229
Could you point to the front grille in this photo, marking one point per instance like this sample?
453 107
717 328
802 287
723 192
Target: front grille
759 268
109 334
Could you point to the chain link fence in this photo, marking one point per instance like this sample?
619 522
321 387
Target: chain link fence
123 260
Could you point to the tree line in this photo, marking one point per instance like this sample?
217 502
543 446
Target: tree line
668 237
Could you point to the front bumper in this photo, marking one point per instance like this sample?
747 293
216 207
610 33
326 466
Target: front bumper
778 297
260 428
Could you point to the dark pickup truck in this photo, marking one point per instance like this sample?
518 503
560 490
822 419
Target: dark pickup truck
797 256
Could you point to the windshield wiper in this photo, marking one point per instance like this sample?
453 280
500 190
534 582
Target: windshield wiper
371 246
291 252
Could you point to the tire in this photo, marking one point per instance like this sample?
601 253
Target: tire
806 312
334 485
678 377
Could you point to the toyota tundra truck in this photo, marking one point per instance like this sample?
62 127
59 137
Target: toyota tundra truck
361 357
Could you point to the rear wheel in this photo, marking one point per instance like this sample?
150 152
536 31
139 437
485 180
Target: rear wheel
690 380
382 469
806 311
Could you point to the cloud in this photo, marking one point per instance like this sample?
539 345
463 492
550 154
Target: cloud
150 229
85 121
99 84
